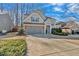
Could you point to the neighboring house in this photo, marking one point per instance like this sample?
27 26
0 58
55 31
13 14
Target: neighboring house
68 27
71 26
5 22
37 23
66 30
59 24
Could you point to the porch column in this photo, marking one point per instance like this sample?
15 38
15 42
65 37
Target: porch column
44 29
50 28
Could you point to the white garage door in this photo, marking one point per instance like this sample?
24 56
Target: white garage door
34 30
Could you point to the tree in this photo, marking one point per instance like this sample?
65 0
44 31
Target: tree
21 30
1 6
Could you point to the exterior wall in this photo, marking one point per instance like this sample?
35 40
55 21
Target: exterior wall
5 22
67 30
56 26
36 15
76 30
50 21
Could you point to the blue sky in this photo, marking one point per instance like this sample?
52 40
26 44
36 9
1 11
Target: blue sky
59 11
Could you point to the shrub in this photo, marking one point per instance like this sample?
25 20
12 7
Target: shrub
58 31
21 32
14 30
11 47
63 34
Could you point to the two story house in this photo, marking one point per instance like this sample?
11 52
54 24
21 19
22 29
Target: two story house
37 23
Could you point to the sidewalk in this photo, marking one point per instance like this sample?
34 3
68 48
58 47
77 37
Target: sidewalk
13 34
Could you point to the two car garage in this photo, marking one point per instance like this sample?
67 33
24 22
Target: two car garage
34 28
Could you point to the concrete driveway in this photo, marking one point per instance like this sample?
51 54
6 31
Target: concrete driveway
38 46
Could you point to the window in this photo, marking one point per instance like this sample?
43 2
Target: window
34 19
37 19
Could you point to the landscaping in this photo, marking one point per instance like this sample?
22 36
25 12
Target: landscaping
58 31
13 47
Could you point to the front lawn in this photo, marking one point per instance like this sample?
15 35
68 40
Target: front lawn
13 47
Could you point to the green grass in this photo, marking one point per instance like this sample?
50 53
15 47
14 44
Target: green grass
16 47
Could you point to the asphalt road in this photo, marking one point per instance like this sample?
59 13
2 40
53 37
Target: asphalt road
56 36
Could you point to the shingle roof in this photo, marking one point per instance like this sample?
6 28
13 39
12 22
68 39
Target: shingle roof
34 23
49 18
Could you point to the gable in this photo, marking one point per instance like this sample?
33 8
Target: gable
50 21
34 18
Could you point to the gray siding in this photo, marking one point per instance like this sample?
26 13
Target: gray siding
5 22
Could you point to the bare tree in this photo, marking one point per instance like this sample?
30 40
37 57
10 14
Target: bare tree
1 5
17 14
21 31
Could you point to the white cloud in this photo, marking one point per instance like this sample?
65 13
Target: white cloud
58 9
74 8
71 18
71 4
57 6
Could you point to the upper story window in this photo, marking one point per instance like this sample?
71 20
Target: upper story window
34 19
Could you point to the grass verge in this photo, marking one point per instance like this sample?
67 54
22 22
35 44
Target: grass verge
13 47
